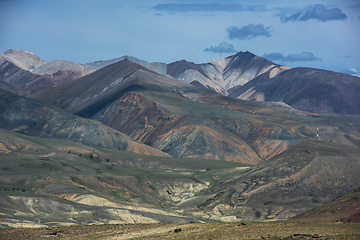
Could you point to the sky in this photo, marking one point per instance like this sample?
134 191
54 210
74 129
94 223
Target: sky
320 34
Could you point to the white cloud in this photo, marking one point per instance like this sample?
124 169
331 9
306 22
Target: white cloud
248 31
292 57
223 47
318 12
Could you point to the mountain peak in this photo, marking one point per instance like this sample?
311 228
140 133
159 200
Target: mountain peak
57 65
23 59
243 55
178 67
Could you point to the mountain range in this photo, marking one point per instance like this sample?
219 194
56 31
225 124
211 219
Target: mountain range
231 139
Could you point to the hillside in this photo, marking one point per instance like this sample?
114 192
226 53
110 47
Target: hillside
307 89
344 209
304 176
70 183
34 118
184 120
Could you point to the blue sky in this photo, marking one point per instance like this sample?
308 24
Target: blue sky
323 34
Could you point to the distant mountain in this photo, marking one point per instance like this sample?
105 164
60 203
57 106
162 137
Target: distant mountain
242 75
34 118
158 67
23 82
249 77
183 119
100 88
115 96
30 62
307 89
188 121
24 60
28 72
223 75
232 159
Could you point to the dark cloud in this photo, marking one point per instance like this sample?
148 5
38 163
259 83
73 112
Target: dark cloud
293 57
216 7
248 31
223 47
318 12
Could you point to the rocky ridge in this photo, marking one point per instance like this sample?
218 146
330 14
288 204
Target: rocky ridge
221 75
